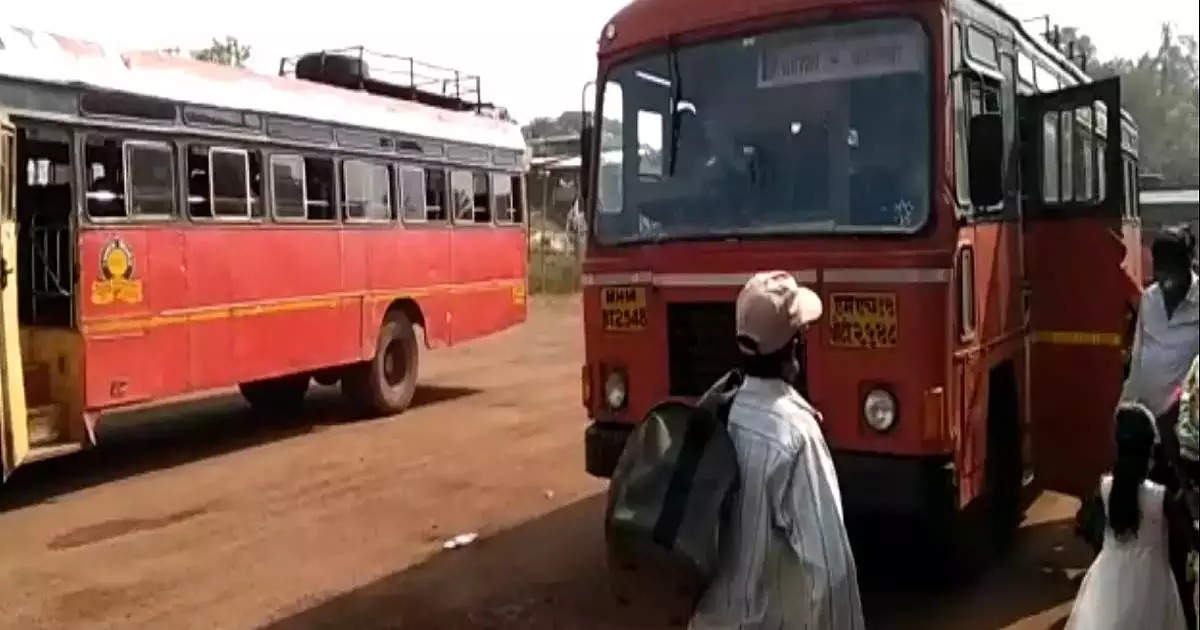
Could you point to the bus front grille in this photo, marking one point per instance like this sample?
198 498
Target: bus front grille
700 345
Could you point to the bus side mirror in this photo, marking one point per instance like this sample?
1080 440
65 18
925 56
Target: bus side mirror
585 154
985 157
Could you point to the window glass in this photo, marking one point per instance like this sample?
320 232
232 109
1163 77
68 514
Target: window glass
1050 157
1083 158
759 142
610 168
254 161
966 275
650 136
482 202
287 184
1047 81
1101 184
151 179
105 177
462 193
366 190
1067 180
412 194
1025 68
961 177
198 182
436 204
318 189
518 199
230 183
982 47
502 198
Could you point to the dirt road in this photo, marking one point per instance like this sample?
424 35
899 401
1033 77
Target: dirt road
209 517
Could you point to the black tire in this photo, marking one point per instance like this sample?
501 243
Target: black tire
386 384
282 394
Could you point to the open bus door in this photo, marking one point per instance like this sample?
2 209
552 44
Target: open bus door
1077 292
14 436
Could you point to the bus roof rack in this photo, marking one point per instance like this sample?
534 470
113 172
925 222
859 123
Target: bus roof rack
357 68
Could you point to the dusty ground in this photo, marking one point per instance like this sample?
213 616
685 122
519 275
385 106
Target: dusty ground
209 517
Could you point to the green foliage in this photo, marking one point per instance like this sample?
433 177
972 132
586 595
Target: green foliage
1161 90
229 52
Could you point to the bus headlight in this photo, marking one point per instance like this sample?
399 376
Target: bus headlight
615 390
880 410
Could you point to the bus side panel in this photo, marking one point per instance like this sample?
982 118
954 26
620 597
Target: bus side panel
408 263
488 266
303 292
118 300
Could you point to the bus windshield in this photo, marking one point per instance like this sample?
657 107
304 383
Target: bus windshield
820 129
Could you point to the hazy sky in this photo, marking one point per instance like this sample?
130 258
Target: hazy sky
534 55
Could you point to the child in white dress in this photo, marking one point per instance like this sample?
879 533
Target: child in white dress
1130 585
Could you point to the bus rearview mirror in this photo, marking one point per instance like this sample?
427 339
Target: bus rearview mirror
985 157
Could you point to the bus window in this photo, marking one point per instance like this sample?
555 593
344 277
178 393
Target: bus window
198 182
1083 156
502 199
436 204
318 189
230 173
366 191
482 200
518 197
1050 157
1025 68
151 178
1066 153
412 194
982 47
287 186
462 195
1046 80
104 174
650 143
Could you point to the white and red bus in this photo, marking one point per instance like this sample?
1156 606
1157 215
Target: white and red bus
956 189
173 226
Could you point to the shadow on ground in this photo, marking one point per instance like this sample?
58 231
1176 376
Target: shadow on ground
135 442
550 573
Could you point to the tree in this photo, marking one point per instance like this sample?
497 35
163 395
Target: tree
1161 90
229 52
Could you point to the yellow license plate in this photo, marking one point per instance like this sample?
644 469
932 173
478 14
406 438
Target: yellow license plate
623 308
863 320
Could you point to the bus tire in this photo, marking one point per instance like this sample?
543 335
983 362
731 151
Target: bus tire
386 383
280 394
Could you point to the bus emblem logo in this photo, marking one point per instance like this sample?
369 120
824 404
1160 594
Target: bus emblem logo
116 282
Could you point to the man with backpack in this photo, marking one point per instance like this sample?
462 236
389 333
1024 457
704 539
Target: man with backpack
785 558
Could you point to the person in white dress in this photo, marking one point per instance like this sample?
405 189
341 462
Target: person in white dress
1130 584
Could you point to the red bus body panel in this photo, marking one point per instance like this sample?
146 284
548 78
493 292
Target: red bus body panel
223 304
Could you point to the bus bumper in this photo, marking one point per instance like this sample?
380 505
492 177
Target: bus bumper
603 443
876 485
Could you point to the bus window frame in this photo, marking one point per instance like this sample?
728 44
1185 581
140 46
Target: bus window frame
401 168
126 145
227 218
343 205
304 155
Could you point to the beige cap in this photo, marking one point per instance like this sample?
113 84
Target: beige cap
771 309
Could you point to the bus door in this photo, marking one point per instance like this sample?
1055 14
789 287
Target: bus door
1076 290
14 437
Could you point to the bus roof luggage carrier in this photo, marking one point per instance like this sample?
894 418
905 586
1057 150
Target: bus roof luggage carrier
357 68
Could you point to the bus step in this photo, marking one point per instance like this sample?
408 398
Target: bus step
37 384
53 450
45 424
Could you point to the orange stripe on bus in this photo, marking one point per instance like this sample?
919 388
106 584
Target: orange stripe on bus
1078 338
126 323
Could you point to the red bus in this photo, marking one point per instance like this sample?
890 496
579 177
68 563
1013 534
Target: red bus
955 189
173 226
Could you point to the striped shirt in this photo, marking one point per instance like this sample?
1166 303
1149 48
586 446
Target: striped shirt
785 559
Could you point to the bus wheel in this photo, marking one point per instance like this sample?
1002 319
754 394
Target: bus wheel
282 394
386 383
